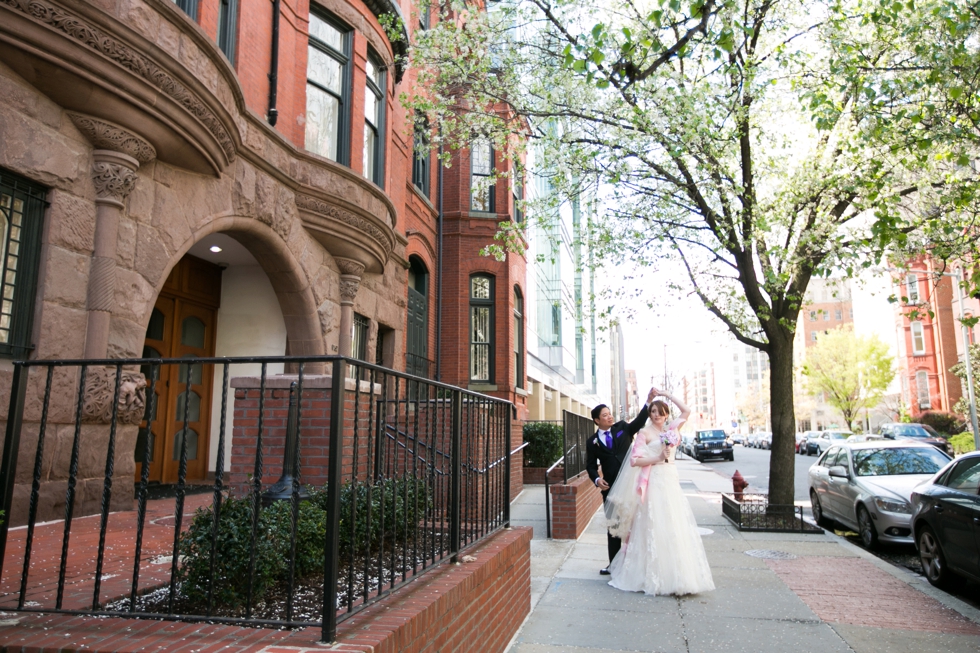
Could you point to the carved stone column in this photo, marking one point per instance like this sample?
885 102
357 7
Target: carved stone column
350 281
114 173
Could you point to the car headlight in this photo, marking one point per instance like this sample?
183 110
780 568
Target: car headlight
889 505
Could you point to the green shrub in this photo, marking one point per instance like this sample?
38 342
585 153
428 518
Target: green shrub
962 443
545 443
233 550
397 505
945 423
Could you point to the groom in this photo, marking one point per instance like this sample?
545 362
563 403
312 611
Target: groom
609 449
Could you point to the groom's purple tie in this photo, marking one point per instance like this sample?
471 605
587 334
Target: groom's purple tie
608 438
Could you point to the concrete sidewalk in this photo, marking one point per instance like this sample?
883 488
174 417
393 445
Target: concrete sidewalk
805 593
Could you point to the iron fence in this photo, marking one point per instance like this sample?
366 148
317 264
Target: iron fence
577 431
325 496
753 512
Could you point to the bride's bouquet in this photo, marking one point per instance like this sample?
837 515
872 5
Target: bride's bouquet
670 438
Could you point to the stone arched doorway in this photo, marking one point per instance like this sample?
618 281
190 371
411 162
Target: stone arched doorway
237 293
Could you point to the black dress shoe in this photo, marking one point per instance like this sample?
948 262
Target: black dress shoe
604 572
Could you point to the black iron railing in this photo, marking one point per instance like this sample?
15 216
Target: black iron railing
753 512
402 473
577 431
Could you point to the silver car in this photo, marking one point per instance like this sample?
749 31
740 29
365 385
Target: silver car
867 486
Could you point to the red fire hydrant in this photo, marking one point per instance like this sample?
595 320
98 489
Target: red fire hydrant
739 484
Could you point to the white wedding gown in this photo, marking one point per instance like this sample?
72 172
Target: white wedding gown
663 553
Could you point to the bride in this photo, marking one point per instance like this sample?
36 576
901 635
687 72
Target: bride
662 551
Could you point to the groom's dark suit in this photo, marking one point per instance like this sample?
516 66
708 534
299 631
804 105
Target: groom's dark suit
611 459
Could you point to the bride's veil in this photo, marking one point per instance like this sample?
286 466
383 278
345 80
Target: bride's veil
623 499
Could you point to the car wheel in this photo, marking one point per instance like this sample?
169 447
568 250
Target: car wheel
934 561
866 528
731 457
816 508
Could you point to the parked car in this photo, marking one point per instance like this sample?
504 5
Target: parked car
945 519
764 441
712 444
739 438
867 486
917 432
687 445
823 441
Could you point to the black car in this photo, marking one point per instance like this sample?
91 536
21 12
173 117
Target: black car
712 444
946 523
918 432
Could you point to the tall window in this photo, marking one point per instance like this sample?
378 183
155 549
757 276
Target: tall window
421 155
374 122
227 19
922 389
21 213
328 89
189 7
424 19
518 338
813 316
518 197
481 328
481 170
918 339
417 345
838 315
912 288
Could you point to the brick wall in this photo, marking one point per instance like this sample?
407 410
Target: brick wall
535 475
572 506
474 606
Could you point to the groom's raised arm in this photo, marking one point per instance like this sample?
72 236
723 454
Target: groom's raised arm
638 423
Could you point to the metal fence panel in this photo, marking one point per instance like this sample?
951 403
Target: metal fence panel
577 431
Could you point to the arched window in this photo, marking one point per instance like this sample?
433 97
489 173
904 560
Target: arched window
923 396
482 191
417 346
518 338
481 328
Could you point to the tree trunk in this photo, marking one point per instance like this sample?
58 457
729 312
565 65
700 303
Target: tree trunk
782 456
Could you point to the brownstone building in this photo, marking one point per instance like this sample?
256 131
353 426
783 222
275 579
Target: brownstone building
232 178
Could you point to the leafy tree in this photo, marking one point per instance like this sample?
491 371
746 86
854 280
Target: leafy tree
962 406
853 372
732 140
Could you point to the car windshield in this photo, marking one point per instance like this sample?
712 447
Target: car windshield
898 461
909 431
712 435
837 436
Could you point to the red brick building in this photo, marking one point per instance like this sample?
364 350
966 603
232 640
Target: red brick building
246 165
930 338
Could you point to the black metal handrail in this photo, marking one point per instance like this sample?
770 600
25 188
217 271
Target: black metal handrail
407 473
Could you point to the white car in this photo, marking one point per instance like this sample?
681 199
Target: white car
825 440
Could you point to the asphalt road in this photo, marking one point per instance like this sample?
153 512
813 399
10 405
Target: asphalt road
753 465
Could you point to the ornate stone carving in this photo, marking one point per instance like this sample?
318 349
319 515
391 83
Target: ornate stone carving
108 136
351 267
348 290
100 385
113 181
102 284
138 64
315 205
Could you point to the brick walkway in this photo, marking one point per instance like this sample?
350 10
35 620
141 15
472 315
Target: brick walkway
117 571
854 591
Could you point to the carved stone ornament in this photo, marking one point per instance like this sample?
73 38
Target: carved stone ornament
109 136
113 181
92 37
348 290
315 205
350 267
100 385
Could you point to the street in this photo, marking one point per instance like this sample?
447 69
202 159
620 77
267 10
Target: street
753 465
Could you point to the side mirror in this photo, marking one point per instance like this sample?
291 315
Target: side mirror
838 471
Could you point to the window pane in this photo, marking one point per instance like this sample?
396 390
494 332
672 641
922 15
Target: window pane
370 150
325 70
480 288
327 33
966 476
193 407
197 373
371 108
480 324
191 444
480 154
155 330
322 122
192 333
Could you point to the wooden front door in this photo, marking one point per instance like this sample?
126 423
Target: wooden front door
182 325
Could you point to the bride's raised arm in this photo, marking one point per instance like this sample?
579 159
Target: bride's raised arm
681 406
